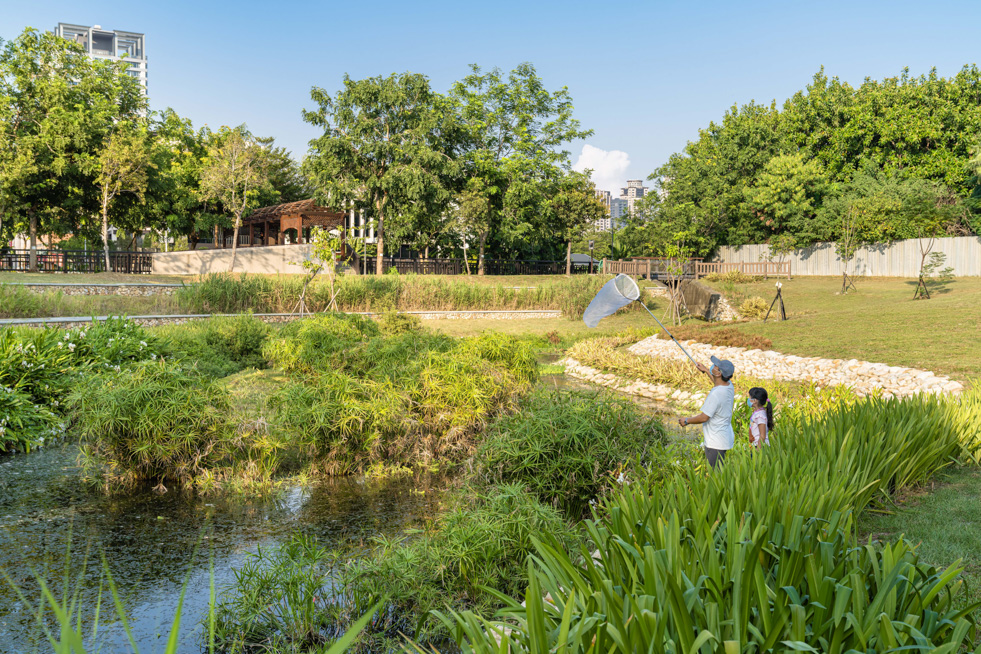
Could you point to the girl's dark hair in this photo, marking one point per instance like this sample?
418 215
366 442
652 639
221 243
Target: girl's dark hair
759 394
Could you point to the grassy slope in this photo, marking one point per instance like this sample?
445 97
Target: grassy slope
881 322
944 521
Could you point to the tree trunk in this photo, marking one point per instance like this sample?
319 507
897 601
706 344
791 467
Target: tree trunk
105 236
32 261
426 253
568 259
480 254
380 245
238 225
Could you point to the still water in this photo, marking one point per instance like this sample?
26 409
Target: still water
52 526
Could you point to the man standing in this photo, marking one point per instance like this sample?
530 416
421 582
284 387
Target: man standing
716 415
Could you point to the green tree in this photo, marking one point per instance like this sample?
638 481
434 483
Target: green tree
576 207
787 196
235 175
123 168
512 130
382 148
57 107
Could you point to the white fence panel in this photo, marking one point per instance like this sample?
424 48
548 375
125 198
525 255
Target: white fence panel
896 259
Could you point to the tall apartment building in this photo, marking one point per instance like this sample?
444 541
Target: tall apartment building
632 192
616 208
114 45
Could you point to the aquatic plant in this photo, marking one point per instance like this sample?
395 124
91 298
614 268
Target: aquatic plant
224 293
153 421
567 448
280 600
467 556
757 555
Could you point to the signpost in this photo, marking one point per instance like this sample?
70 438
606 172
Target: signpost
591 244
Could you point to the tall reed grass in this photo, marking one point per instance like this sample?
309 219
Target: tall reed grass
222 293
758 556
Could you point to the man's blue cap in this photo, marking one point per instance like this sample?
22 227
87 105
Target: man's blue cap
724 366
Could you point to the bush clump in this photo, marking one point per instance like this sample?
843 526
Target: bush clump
754 308
23 424
360 398
153 421
566 448
732 277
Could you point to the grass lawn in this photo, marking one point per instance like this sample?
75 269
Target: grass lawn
944 521
881 322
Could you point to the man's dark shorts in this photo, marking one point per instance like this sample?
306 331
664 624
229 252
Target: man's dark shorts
715 457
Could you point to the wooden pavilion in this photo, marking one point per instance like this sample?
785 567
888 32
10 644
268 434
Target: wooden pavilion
282 224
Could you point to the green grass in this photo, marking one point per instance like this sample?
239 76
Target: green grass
881 322
944 521
568 330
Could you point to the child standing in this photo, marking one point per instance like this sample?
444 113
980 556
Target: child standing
761 420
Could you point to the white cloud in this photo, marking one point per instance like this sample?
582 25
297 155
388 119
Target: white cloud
609 167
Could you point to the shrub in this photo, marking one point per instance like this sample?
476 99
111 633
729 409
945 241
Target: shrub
18 302
23 424
754 308
365 399
153 421
393 323
481 541
567 447
38 363
319 343
732 277
241 337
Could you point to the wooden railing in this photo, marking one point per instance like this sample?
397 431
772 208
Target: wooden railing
756 268
491 266
78 261
653 268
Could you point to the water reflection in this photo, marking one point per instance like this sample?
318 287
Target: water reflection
149 540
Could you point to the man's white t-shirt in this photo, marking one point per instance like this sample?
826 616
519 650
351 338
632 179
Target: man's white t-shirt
717 430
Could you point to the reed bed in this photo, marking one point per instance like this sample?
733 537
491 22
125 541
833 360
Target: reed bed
223 293
757 556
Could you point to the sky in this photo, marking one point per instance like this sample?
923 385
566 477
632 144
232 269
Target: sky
645 76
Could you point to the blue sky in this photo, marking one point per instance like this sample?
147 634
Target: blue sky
644 75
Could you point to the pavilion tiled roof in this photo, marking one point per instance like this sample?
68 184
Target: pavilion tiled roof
305 207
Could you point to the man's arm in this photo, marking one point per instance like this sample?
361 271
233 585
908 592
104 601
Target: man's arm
697 420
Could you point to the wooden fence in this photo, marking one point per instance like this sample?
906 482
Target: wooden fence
756 268
78 261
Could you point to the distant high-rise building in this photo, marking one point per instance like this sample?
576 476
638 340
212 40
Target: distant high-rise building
632 192
114 45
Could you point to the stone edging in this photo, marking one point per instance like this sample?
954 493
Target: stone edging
656 392
863 377
150 321
73 288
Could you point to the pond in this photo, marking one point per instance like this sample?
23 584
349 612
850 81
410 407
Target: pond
52 525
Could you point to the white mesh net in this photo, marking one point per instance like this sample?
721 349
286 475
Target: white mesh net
615 294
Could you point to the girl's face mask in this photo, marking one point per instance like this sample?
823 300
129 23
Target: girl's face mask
749 403
712 370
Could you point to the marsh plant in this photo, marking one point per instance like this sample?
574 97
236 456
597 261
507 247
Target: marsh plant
568 449
223 293
464 558
359 398
759 555
151 422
